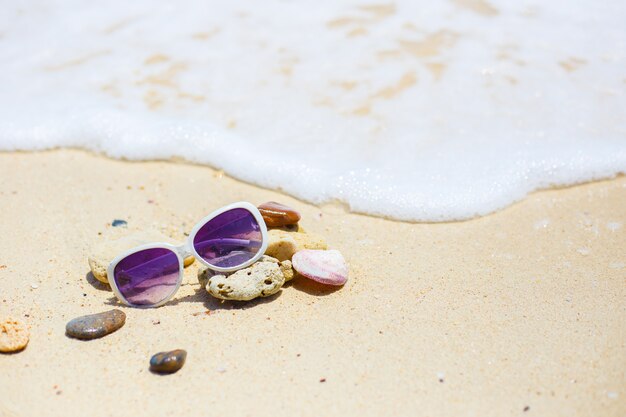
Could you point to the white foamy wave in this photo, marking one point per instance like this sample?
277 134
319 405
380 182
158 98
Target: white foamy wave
415 110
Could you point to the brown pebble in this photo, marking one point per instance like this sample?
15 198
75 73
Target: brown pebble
97 325
168 362
188 261
278 215
14 336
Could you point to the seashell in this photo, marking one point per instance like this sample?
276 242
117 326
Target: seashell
325 266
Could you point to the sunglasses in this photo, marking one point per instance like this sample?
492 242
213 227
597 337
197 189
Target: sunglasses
228 239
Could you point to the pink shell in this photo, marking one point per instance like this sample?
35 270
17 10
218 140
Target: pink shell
325 266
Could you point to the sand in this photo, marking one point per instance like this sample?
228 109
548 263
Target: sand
522 312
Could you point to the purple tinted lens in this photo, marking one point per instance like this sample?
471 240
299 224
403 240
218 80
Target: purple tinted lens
230 239
148 276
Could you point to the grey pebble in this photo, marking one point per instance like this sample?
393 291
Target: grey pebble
97 325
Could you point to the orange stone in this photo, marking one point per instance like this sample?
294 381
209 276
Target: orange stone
277 215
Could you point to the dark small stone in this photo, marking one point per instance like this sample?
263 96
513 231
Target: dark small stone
118 223
97 325
168 362
277 215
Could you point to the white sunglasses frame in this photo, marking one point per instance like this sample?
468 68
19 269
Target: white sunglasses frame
187 249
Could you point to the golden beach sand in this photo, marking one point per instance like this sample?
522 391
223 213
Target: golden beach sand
522 312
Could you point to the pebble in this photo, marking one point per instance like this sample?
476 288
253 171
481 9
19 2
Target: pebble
262 279
168 362
283 244
118 223
97 325
324 266
103 253
14 336
292 228
277 215
309 241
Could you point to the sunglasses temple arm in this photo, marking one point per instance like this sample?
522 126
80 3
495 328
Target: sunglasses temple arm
219 241
146 264
228 241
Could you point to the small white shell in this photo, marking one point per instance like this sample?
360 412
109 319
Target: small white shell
325 266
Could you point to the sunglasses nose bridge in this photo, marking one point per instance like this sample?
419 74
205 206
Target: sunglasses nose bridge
184 250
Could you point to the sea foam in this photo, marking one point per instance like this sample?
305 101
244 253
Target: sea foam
414 110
